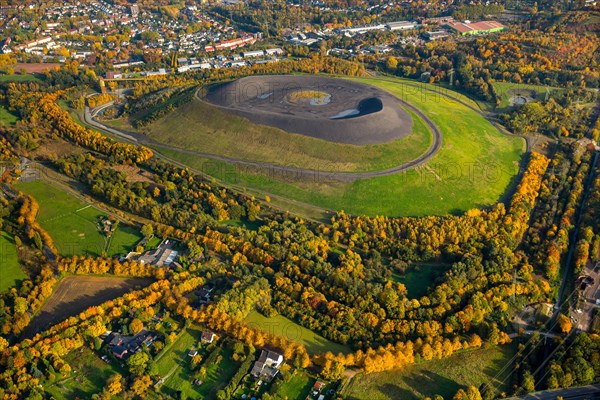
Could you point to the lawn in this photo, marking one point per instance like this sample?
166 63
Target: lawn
175 364
297 387
10 269
473 169
89 376
201 127
442 377
6 117
72 223
176 353
282 326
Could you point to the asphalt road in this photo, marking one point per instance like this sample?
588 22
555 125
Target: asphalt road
590 392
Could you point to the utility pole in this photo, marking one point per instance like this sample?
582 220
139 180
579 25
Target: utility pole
514 285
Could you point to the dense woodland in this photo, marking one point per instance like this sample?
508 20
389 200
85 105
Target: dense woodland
550 52
337 279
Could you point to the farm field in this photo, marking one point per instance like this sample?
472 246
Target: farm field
90 378
282 326
200 127
474 167
10 269
72 223
76 293
442 377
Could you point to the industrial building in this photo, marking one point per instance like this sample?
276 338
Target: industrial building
401 25
475 28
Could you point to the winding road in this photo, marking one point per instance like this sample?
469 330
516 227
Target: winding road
89 117
293 172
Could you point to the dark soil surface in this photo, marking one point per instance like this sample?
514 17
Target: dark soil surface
351 112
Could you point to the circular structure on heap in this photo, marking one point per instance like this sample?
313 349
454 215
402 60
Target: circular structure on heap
326 108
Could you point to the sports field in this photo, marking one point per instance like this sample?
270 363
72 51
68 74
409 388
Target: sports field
282 326
474 167
443 377
72 223
10 269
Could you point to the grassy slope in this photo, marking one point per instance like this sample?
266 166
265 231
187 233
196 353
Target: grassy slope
200 127
442 377
473 169
10 269
72 223
282 326
6 117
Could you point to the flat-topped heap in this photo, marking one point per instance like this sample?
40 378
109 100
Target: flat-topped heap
327 108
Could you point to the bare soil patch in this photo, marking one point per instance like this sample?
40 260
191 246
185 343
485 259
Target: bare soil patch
134 174
75 294
35 68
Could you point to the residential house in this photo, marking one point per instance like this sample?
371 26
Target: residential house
207 337
267 365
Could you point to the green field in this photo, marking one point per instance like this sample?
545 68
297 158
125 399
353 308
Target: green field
507 89
10 269
72 223
282 326
474 168
6 117
442 377
418 278
200 127
19 78
89 376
